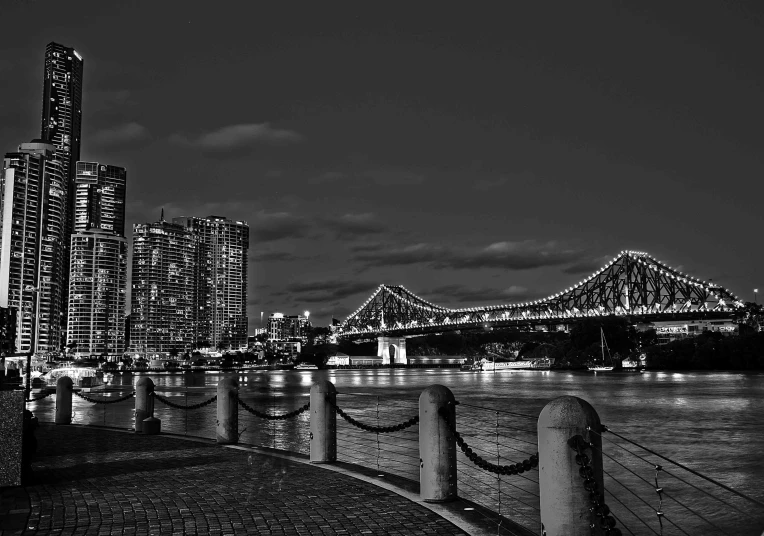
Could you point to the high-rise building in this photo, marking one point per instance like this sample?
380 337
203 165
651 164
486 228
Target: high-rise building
61 125
220 280
99 197
164 257
33 244
97 285
62 104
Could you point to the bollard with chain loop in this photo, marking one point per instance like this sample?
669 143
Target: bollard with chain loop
437 445
323 423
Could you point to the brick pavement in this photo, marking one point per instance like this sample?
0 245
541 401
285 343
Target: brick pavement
93 481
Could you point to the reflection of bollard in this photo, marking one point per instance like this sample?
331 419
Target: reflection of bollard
437 445
565 503
64 400
323 422
144 402
227 429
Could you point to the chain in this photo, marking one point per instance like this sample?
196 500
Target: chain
165 401
376 429
102 401
511 469
659 491
598 507
262 415
46 395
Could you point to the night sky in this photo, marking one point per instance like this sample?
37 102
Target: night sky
488 154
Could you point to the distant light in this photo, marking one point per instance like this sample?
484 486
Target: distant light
756 290
307 314
78 56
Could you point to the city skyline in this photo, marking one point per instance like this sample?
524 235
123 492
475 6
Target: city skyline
473 160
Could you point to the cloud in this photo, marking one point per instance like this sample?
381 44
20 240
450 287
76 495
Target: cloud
327 290
103 101
354 225
241 136
273 226
521 255
587 266
464 294
275 256
490 184
379 177
121 134
393 177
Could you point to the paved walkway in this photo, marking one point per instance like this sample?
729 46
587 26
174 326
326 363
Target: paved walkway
102 482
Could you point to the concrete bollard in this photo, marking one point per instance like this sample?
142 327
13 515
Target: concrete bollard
437 445
144 402
64 400
227 429
323 422
564 501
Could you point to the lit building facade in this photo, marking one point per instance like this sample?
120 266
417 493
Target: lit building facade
34 244
281 327
220 280
61 125
99 197
162 300
97 285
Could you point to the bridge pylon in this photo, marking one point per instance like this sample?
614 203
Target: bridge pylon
398 345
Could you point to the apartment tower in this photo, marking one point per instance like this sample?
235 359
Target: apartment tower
163 276
33 244
98 262
220 280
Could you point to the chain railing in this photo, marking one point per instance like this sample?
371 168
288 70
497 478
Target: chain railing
686 502
186 407
380 433
271 417
103 400
44 395
497 461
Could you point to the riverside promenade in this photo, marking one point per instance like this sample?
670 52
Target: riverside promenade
100 481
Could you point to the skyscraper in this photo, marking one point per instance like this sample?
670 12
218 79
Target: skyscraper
33 242
61 126
98 262
62 103
99 197
97 285
164 256
220 280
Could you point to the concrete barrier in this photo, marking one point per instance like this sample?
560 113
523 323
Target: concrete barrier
144 402
64 386
227 427
437 445
564 502
323 422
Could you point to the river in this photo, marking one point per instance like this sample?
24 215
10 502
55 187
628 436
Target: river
711 422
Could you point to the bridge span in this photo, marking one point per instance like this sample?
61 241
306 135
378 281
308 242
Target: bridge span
633 284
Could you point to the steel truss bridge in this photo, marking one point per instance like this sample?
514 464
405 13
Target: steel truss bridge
633 284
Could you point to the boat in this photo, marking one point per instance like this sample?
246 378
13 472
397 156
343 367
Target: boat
80 376
542 363
305 366
603 367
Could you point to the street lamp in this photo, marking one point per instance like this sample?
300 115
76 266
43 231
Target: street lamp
755 291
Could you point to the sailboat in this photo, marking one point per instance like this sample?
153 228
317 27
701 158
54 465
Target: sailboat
603 367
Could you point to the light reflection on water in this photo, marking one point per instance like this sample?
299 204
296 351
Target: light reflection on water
708 421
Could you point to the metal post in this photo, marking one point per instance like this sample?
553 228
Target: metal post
323 422
227 429
64 400
565 503
144 402
437 445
